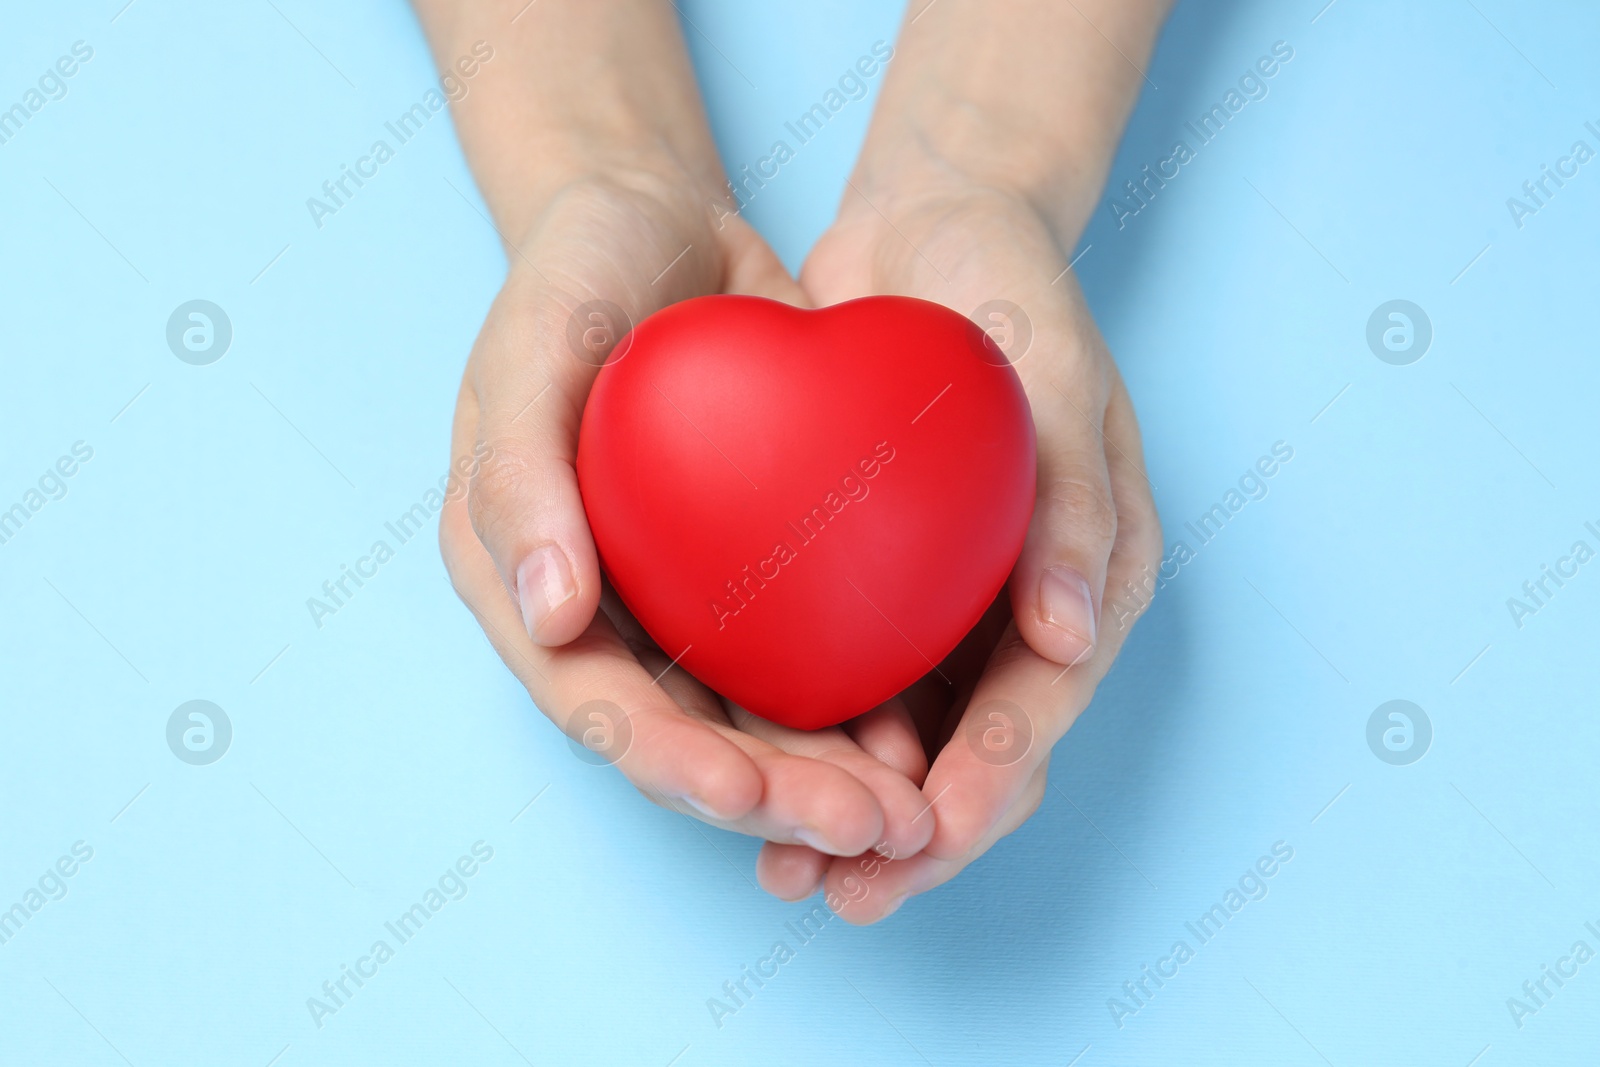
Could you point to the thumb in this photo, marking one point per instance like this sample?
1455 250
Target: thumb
1059 580
532 369
524 502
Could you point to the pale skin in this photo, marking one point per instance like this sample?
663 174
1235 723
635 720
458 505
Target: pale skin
986 154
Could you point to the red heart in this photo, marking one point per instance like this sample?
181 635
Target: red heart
809 509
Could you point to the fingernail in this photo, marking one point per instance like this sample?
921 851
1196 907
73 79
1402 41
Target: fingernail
1067 603
544 583
894 905
699 805
706 808
806 835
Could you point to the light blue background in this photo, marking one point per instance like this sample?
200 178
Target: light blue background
369 755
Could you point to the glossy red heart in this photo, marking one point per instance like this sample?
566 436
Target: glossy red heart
809 509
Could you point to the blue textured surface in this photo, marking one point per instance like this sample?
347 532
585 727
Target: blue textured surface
369 755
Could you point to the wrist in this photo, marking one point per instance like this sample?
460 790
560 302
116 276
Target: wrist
563 162
950 164
1024 97
575 94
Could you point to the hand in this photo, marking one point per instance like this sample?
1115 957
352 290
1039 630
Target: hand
615 193
520 554
987 151
1038 654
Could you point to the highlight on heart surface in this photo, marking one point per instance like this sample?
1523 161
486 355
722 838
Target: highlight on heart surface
808 509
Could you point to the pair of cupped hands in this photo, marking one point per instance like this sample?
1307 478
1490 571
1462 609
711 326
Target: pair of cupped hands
898 800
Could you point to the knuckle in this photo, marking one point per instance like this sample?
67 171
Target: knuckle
497 482
1079 507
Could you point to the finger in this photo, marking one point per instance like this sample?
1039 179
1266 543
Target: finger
1060 575
862 892
1017 712
754 269
1024 703
790 872
1132 574
888 733
905 824
804 801
963 667
667 751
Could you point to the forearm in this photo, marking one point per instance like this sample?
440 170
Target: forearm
1025 95
573 90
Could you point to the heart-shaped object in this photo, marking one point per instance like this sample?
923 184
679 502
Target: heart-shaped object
807 509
